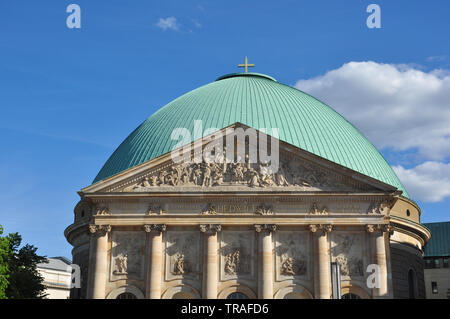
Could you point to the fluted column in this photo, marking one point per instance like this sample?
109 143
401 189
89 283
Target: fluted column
322 261
265 247
154 232
378 257
210 275
99 240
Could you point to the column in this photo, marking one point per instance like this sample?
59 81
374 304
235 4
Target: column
154 273
210 274
378 257
265 247
99 240
322 261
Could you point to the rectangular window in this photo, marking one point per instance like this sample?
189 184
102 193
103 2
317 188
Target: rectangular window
446 263
437 263
434 288
428 263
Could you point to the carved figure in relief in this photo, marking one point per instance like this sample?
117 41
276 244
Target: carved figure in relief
162 177
292 173
264 210
217 178
197 176
232 262
238 172
354 266
287 265
206 176
281 179
209 210
316 211
179 267
153 180
102 210
121 265
155 210
254 178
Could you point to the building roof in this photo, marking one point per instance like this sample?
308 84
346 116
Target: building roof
56 263
258 101
439 244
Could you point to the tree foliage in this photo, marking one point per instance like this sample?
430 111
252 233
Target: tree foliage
25 282
5 254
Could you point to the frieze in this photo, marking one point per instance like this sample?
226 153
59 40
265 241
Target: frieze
292 173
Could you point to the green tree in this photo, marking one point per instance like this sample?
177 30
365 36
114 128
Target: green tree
25 282
5 254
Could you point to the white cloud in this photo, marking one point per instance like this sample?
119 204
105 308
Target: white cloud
395 106
168 23
429 182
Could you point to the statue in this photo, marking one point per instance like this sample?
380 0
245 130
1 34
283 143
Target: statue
178 267
287 266
121 265
232 263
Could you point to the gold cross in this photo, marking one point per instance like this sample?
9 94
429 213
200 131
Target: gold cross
245 65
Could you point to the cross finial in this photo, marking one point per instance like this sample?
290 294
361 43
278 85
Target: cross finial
246 65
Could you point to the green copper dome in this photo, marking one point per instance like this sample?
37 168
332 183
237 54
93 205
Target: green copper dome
258 101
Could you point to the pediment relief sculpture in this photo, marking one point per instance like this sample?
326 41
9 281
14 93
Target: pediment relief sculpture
292 172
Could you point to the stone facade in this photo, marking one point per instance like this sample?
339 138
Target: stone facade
164 230
407 261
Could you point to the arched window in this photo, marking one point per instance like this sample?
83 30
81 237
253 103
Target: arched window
182 295
350 296
412 284
292 295
237 295
126 295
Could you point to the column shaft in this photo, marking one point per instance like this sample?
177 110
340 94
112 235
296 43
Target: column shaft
267 265
100 265
379 258
323 266
155 264
211 271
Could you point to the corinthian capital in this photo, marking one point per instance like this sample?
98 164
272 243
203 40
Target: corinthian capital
99 230
323 228
155 227
371 228
210 228
387 228
265 227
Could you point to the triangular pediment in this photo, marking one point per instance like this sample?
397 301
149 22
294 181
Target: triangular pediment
296 171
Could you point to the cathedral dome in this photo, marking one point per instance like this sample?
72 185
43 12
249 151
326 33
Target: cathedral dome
258 101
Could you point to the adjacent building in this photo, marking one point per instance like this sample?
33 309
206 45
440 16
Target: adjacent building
437 255
57 277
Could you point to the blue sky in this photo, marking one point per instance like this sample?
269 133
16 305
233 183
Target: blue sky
68 97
